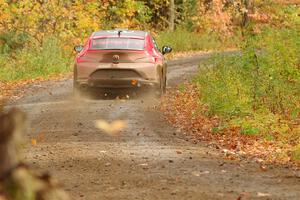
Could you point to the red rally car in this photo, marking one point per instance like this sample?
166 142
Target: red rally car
120 59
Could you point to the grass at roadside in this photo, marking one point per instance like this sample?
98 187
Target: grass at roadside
248 102
32 61
258 88
182 40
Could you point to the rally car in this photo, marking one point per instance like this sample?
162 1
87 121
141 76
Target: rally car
120 59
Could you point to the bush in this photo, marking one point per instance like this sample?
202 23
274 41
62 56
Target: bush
183 40
264 76
258 88
12 41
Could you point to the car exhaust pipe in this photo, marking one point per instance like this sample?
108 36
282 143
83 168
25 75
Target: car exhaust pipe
84 87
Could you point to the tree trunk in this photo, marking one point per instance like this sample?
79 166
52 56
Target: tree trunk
172 15
245 13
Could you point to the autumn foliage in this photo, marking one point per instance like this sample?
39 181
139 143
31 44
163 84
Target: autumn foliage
37 36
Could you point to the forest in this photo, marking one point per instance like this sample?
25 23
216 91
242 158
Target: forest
34 32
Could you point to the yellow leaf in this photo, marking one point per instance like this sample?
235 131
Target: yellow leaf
33 142
110 128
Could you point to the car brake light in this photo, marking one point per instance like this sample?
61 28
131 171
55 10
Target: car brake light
80 60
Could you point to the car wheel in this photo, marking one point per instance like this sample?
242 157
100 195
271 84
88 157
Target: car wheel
165 85
161 88
77 91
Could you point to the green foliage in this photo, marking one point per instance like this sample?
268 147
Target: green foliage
257 87
219 129
296 153
264 76
184 40
128 14
250 131
11 41
182 88
188 10
34 61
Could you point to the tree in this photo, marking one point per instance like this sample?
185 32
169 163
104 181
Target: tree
172 15
245 11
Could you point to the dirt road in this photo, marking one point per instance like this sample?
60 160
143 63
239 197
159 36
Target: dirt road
148 160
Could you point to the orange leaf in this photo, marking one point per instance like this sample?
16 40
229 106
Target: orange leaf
33 142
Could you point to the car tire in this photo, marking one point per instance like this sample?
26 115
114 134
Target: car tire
76 87
161 88
165 85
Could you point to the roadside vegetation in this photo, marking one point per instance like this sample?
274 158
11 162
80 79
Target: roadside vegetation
250 101
32 61
183 40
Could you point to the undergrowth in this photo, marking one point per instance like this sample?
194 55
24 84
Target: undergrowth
183 40
34 61
258 89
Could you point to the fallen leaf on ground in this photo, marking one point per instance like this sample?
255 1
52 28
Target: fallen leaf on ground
260 194
263 168
33 142
179 109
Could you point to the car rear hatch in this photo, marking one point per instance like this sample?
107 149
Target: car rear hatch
119 66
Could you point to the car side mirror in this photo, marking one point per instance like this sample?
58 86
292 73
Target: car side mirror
166 49
78 48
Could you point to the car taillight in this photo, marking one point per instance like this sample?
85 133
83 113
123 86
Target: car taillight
81 59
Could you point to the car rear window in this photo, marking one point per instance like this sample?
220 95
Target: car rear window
118 43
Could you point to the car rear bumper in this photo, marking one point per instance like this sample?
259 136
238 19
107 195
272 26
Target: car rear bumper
120 77
117 83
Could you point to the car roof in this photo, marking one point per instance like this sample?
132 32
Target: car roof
123 33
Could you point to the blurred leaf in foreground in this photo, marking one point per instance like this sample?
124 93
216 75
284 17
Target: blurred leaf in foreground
113 128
